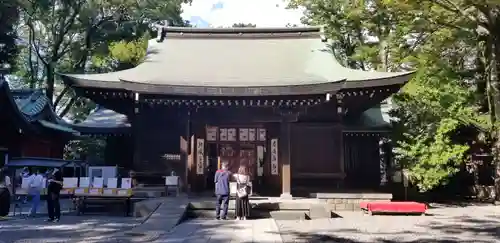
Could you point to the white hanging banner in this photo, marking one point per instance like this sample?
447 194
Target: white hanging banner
274 156
260 160
200 156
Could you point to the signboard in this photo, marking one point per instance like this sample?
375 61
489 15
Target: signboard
25 183
70 182
95 191
171 181
98 182
260 160
243 134
211 133
200 156
262 134
405 178
231 134
252 134
274 156
84 182
113 183
126 183
223 134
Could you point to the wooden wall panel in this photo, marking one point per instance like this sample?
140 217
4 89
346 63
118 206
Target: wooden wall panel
315 158
157 135
362 161
315 150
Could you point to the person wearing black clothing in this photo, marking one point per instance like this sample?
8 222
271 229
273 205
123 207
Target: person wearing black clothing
4 193
53 195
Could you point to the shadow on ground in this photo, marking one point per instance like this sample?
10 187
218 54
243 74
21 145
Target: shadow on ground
392 229
69 229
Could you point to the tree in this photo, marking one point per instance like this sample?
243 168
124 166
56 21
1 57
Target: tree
64 34
241 25
9 15
85 36
479 21
400 35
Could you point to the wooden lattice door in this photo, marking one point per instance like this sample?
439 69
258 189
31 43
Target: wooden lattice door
227 153
248 158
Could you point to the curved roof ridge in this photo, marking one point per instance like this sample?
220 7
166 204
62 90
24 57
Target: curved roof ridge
243 30
208 62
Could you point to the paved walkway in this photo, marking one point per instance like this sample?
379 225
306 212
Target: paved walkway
25 208
69 229
222 231
444 224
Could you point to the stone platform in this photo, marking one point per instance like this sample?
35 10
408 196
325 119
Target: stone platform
350 201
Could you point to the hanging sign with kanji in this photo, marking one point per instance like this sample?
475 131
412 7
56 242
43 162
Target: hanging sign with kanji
274 156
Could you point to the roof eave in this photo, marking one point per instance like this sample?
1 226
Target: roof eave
398 79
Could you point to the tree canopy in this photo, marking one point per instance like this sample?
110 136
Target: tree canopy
9 17
447 42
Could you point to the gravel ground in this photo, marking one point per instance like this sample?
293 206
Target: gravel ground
443 224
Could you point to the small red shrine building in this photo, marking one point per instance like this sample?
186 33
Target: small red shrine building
274 99
29 127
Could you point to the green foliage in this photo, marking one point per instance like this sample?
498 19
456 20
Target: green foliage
249 25
85 148
9 16
429 113
432 37
77 36
122 55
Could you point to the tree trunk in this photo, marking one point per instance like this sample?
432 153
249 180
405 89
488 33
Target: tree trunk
494 67
50 81
33 73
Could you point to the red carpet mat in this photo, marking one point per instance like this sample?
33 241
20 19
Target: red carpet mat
394 207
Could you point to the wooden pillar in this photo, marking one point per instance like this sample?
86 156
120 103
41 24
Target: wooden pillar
341 113
382 161
136 131
187 151
284 144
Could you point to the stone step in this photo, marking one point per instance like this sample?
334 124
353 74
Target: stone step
289 215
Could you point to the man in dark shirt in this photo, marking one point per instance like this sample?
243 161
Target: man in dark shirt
222 191
53 194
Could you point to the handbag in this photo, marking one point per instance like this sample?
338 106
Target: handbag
242 191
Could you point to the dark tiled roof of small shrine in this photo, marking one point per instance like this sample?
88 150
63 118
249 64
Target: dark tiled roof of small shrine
375 118
30 109
104 121
238 62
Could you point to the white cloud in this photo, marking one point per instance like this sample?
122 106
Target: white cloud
263 13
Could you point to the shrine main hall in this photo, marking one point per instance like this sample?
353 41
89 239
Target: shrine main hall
273 99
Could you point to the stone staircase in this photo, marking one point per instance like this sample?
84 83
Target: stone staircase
149 192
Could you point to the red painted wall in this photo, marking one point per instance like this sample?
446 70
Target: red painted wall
32 147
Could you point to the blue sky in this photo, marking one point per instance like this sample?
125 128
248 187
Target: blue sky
224 13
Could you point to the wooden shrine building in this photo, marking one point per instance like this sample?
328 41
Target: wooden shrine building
29 127
273 99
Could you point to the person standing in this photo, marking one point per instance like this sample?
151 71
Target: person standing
5 183
242 194
53 195
221 180
35 187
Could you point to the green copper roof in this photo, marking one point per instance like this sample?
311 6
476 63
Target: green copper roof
59 127
30 102
238 58
376 118
30 109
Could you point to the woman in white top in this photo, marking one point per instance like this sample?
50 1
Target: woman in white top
242 179
5 183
